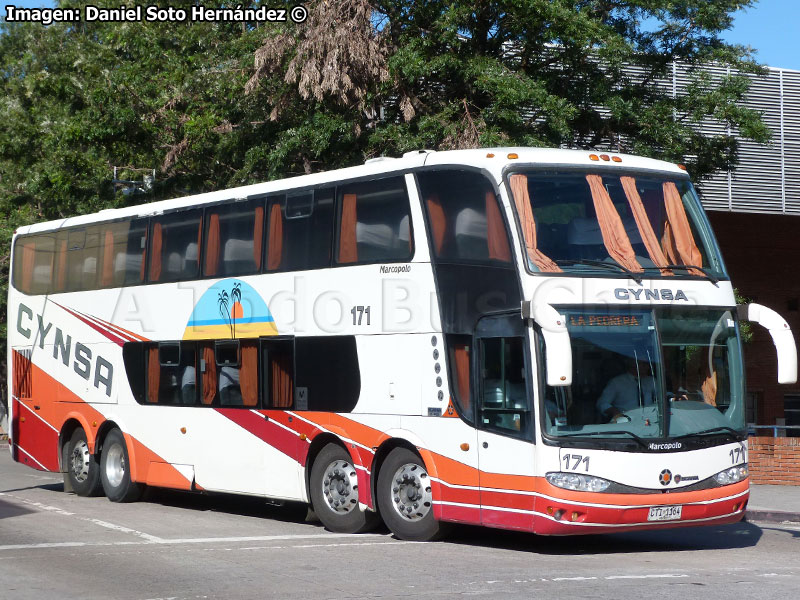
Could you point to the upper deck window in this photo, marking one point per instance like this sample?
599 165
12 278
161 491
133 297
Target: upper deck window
574 221
175 246
465 219
300 225
374 222
234 239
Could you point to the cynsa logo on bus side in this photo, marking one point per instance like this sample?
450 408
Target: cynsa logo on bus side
645 294
62 345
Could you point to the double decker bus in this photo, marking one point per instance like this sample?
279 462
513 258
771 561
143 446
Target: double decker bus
531 339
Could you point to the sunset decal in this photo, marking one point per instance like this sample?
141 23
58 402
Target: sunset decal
230 309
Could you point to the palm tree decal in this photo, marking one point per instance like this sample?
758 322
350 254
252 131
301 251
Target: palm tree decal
236 299
224 310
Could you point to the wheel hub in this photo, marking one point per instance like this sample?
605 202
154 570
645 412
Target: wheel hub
411 492
79 461
340 486
115 465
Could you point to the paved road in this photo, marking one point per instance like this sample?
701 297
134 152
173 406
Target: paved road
188 547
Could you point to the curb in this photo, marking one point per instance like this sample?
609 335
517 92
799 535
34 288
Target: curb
772 516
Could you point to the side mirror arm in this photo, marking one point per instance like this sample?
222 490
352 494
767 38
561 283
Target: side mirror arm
781 336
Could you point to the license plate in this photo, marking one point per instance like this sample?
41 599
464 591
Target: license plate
664 513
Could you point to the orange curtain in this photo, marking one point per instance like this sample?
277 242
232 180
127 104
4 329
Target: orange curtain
678 240
258 236
155 258
438 222
709 389
462 375
153 374
495 231
248 374
144 258
212 246
107 277
275 242
614 237
209 375
62 266
28 261
522 200
281 373
348 248
643 223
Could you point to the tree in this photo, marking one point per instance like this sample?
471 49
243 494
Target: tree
213 105
576 73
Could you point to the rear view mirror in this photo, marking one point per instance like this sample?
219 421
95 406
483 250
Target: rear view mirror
558 350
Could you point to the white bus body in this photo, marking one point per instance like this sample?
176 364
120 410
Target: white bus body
447 360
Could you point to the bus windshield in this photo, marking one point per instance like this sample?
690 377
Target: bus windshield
650 373
585 222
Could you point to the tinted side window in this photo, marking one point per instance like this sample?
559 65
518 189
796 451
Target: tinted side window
299 230
465 217
124 246
234 239
504 404
323 382
79 256
374 222
171 373
174 246
33 263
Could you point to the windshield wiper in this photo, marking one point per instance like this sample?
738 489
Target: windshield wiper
719 429
599 263
615 432
708 275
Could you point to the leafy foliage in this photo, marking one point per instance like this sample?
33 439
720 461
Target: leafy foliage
213 105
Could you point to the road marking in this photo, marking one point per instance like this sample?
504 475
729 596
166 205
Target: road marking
660 576
39 505
107 525
186 541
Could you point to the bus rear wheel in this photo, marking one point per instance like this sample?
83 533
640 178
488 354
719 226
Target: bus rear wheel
334 492
81 468
115 472
405 499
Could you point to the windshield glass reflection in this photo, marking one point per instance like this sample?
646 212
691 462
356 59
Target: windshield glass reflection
649 374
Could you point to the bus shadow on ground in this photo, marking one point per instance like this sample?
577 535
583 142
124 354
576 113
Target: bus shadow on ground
246 506
720 537
12 509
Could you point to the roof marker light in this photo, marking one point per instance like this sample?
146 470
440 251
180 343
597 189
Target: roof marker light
682 167
605 157
616 159
513 155
490 155
594 157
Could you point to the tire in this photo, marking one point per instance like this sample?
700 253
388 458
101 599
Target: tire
81 469
114 471
334 493
405 500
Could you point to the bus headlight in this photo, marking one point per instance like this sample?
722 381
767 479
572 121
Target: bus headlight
731 475
577 482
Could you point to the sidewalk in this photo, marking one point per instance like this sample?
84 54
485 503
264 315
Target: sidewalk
774 503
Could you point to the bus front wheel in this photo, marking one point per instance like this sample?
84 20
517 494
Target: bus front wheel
80 466
115 472
405 499
334 492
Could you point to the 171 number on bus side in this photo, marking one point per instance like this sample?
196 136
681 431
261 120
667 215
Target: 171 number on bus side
359 312
573 461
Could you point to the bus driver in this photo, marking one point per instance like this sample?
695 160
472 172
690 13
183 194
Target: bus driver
626 391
